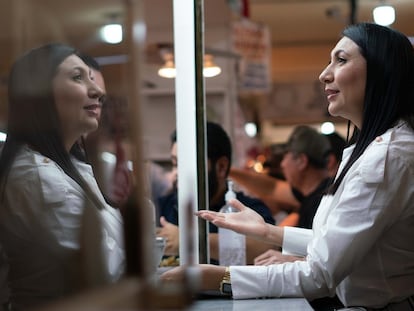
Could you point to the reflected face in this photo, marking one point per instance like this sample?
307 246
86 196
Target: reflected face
77 98
345 81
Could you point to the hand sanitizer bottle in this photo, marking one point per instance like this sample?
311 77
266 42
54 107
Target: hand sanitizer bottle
232 245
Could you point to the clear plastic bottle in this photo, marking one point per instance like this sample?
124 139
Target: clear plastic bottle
232 245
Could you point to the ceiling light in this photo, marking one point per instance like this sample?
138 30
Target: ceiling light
210 68
251 129
3 137
112 33
327 128
168 69
384 15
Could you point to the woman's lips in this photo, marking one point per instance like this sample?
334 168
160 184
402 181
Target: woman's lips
93 110
331 94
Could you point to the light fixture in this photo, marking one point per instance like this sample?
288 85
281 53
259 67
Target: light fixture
3 137
384 14
168 69
251 129
210 69
327 128
112 33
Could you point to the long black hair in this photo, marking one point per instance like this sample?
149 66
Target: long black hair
389 91
32 115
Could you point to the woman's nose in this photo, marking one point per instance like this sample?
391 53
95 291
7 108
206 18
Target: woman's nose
95 91
325 76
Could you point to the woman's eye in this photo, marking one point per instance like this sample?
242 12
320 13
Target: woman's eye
77 77
341 60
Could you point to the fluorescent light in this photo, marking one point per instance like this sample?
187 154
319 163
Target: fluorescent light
3 137
112 59
112 33
384 15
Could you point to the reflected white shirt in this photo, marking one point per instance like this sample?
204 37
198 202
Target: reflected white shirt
361 248
41 219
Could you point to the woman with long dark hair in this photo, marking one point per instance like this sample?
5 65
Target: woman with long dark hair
46 187
360 247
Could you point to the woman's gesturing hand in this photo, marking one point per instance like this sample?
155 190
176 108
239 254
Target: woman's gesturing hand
247 221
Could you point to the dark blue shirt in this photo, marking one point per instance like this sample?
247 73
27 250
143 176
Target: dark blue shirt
169 208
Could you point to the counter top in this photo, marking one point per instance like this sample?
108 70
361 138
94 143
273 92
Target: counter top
226 304
130 295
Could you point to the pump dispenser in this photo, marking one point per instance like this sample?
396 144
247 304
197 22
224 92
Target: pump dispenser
232 245
230 194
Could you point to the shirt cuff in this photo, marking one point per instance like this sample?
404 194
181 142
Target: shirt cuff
295 241
249 281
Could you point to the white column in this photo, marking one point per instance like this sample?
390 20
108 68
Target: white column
185 88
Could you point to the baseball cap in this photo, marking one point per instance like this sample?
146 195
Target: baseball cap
307 140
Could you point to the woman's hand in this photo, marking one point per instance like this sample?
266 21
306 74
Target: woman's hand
272 256
247 221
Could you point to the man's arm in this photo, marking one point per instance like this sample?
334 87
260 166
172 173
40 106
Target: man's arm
266 188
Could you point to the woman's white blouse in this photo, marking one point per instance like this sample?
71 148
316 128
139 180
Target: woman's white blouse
362 247
42 220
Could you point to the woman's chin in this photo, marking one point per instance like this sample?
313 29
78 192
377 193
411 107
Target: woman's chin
332 111
91 126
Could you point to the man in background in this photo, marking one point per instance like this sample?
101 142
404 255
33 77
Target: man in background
308 165
292 192
219 153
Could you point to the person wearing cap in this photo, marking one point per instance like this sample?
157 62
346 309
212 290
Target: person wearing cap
304 166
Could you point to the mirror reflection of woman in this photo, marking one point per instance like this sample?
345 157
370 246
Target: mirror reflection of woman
46 185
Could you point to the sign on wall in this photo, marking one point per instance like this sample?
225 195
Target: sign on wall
252 42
